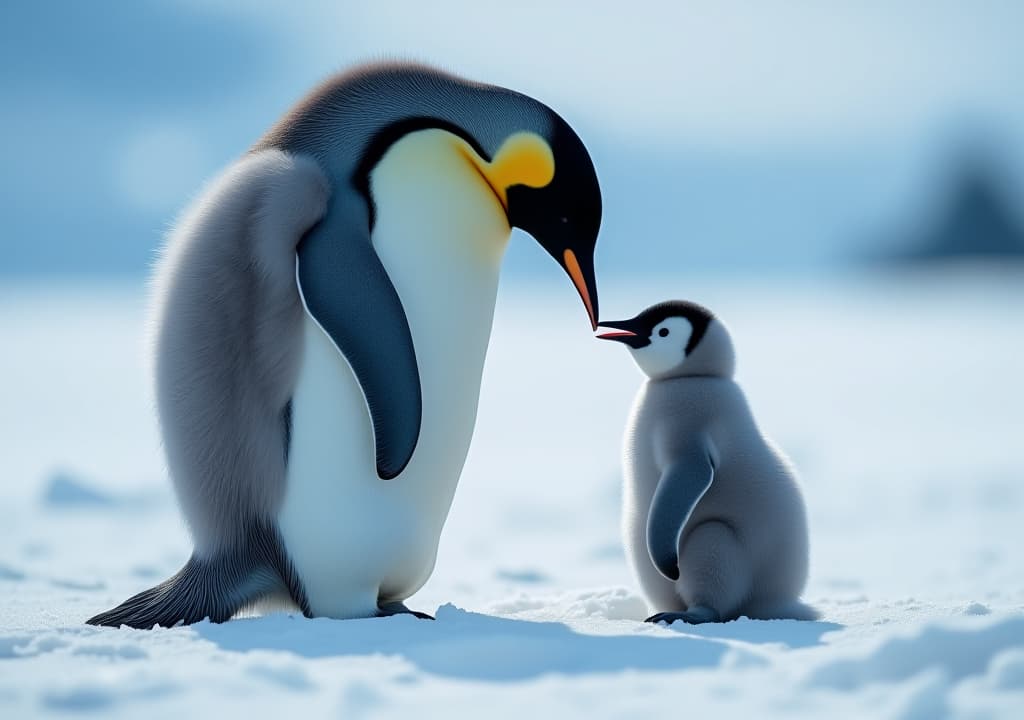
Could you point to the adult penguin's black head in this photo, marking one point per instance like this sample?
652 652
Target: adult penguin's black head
564 215
536 165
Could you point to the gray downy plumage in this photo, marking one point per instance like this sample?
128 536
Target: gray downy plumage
713 519
226 324
289 223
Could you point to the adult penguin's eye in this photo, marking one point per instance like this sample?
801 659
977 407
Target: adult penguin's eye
663 332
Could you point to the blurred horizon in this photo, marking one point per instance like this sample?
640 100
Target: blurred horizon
728 138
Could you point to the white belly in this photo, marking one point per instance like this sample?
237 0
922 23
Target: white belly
355 539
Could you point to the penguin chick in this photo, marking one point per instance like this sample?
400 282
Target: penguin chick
713 518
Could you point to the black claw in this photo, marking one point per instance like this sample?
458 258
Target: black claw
397 608
660 617
691 618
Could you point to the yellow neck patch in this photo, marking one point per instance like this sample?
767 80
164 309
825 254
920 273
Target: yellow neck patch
523 159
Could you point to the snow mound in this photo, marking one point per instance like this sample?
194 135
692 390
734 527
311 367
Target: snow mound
958 651
605 603
64 490
976 608
1006 672
11 574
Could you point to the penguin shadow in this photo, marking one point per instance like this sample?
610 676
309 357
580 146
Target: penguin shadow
792 634
471 646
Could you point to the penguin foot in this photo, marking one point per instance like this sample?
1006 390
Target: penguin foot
397 608
696 615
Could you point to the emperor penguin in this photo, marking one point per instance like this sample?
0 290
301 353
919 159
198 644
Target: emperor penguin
321 315
713 518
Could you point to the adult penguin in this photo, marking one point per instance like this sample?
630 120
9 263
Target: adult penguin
322 313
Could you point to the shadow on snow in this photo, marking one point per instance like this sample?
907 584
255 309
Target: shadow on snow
471 646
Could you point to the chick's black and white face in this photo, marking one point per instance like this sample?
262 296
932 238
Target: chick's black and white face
666 349
675 338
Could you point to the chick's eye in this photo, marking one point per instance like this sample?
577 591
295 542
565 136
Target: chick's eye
663 332
564 219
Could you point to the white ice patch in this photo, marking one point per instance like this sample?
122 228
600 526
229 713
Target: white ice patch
540 498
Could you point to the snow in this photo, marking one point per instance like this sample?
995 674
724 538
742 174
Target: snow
898 397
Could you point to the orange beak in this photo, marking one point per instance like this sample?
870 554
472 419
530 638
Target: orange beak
572 266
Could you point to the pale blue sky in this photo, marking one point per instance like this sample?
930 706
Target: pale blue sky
724 72
714 125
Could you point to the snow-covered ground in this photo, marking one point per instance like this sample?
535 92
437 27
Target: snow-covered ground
899 398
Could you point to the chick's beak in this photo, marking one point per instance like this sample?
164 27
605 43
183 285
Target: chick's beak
618 330
619 335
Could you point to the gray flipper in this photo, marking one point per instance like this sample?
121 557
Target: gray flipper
682 485
348 292
214 588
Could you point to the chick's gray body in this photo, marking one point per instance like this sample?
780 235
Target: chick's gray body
707 496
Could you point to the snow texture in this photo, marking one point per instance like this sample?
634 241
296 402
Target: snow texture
899 399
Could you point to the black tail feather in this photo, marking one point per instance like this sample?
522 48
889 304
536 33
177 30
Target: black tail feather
194 593
215 588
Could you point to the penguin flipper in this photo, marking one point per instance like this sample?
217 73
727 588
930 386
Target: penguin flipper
682 485
348 292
